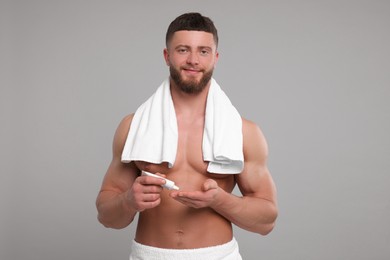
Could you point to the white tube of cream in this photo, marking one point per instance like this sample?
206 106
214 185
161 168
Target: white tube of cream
170 185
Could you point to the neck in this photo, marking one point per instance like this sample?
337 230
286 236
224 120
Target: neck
189 104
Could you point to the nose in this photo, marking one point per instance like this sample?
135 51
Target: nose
192 58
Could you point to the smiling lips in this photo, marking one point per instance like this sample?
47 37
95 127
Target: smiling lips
192 70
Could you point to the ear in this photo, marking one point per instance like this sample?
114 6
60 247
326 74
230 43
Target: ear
216 58
166 56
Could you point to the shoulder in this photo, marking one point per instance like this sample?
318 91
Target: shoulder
251 130
249 126
125 123
121 133
127 119
255 144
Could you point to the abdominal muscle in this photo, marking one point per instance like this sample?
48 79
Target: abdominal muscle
176 226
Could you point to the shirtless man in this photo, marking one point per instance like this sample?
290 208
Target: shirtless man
201 213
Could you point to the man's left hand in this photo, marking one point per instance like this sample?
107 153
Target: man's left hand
206 197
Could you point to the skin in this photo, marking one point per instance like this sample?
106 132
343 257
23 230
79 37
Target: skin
201 213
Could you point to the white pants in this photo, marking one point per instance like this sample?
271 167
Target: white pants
228 251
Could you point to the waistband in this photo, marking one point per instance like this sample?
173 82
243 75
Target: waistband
227 251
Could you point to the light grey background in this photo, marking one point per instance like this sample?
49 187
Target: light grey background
313 74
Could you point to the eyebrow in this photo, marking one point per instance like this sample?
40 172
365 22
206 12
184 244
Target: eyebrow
189 47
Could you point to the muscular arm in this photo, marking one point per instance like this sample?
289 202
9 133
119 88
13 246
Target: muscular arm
123 192
256 210
112 211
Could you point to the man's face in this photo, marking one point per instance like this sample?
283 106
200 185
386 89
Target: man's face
191 57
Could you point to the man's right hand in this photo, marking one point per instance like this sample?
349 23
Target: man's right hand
145 193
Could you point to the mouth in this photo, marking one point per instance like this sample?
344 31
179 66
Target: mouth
191 71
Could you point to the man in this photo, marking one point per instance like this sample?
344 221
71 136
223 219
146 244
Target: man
195 221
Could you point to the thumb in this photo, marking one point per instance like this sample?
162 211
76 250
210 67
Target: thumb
209 184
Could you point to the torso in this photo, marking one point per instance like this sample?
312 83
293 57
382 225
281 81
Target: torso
171 224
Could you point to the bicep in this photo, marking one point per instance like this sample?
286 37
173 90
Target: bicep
119 176
255 180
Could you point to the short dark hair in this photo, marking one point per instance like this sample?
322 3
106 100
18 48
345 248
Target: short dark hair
191 22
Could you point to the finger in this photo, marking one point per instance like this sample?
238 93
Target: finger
140 188
148 180
161 175
150 197
173 194
190 203
152 189
191 196
150 204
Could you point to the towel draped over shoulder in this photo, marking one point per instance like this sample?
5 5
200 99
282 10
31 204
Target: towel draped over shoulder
153 134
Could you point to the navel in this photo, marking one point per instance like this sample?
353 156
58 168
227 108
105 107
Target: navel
180 232
179 237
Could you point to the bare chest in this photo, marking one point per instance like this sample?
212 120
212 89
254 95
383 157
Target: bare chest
189 154
189 148
189 170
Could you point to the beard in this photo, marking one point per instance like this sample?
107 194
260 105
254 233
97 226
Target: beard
190 86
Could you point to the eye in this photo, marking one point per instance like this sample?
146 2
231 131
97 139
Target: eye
182 50
204 52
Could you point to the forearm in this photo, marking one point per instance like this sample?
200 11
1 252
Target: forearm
112 211
248 212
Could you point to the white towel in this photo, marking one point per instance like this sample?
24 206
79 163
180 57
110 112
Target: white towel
153 133
227 251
